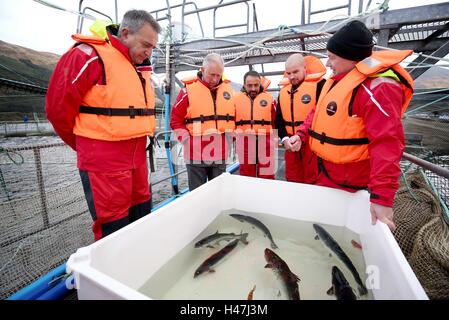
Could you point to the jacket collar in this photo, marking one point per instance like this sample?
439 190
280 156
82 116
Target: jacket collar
116 43
200 79
339 76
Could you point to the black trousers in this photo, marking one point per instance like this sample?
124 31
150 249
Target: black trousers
199 174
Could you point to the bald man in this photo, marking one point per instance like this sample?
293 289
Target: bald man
295 101
203 112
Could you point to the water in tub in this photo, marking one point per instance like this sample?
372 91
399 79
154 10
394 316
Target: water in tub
243 267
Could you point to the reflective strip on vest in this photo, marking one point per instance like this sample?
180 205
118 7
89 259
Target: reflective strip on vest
124 89
336 135
206 115
253 115
295 111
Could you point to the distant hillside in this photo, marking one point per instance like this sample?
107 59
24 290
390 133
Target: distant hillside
26 65
435 77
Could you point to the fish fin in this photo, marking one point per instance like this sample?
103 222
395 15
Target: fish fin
268 265
294 277
331 291
355 244
211 270
330 255
243 237
210 246
362 290
279 293
273 245
355 293
250 294
317 237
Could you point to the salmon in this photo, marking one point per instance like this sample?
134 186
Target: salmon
256 223
250 294
207 265
334 247
289 279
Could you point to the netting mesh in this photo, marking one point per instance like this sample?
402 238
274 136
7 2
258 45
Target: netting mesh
430 258
423 234
415 197
43 212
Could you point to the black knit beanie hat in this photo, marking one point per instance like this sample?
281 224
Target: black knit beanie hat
353 42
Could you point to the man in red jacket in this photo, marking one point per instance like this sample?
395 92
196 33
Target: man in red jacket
203 112
255 113
356 128
296 99
103 108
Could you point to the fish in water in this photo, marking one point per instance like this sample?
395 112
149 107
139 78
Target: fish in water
335 248
255 223
250 294
340 286
281 268
216 238
355 244
207 265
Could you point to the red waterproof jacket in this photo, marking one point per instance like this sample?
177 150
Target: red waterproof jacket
77 71
380 173
209 148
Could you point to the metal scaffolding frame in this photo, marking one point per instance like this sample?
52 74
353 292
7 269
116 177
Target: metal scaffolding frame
422 29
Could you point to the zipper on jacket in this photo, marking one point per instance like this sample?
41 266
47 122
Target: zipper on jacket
252 112
214 98
292 98
144 87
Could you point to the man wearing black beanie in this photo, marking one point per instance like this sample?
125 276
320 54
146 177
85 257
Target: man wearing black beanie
356 129
352 42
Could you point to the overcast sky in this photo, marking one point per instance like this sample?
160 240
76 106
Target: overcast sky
33 25
39 27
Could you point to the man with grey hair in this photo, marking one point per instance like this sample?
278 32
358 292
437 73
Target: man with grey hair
101 103
202 114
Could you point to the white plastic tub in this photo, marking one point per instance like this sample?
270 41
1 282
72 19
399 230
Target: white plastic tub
116 266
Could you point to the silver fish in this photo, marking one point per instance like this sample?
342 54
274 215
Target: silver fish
256 223
334 247
216 238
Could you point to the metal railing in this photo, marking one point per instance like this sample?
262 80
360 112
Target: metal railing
221 5
80 25
20 128
197 10
438 176
183 5
348 6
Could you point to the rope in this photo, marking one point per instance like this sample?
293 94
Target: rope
404 178
3 184
427 104
8 154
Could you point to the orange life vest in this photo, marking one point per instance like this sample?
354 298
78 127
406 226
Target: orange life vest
122 108
337 136
206 115
295 106
252 116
